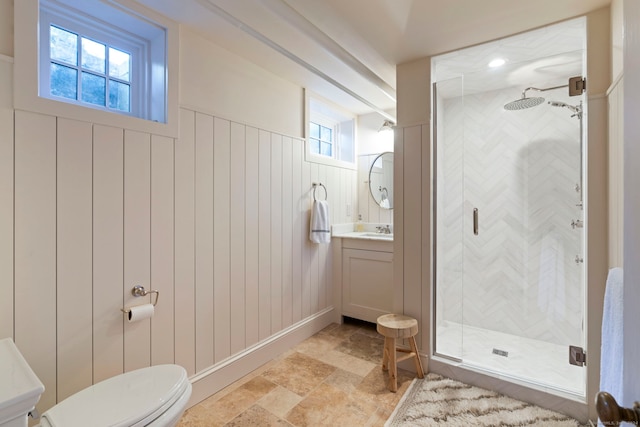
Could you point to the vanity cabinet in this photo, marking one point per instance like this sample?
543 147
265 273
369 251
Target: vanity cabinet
367 279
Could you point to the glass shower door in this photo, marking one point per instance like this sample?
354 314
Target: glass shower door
509 236
450 232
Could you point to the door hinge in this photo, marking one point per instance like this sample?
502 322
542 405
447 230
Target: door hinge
577 85
577 356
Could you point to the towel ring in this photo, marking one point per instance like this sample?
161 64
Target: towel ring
316 185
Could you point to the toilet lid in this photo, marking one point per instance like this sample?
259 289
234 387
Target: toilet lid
132 399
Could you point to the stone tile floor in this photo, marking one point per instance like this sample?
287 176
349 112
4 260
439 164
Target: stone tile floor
333 378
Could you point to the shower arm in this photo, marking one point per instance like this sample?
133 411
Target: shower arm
524 92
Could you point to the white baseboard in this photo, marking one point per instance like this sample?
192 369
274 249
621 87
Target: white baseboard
214 379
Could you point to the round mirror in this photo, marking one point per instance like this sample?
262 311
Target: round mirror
381 180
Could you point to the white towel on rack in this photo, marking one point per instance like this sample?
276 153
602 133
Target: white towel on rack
320 228
612 345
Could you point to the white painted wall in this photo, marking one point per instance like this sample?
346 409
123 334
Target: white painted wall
616 173
216 81
617 38
6 195
631 385
6 27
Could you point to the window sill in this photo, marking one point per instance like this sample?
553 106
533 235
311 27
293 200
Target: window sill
322 160
87 114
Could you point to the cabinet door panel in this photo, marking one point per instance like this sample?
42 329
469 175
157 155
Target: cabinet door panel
367 280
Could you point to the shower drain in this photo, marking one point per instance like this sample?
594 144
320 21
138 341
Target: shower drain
500 352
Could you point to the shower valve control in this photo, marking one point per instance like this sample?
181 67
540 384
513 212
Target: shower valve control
577 223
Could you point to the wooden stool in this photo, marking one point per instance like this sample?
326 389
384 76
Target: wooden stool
393 327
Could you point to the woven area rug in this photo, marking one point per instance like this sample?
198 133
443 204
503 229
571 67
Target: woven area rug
439 401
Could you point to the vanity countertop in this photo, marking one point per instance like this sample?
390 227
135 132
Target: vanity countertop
369 232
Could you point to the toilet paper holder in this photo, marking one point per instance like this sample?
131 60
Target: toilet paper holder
140 291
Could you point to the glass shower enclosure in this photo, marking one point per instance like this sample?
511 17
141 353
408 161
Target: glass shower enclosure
510 232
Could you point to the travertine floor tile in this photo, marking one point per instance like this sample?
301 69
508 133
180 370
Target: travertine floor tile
363 346
240 399
331 379
280 401
347 362
256 416
344 380
328 406
299 373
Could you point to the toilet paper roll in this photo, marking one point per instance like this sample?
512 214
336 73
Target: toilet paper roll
140 312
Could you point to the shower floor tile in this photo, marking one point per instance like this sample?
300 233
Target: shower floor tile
528 360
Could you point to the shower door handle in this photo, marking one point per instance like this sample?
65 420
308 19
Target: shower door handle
475 221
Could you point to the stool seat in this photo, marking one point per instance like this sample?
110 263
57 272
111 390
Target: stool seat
397 326
393 327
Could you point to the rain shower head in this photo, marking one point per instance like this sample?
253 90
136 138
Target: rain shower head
522 103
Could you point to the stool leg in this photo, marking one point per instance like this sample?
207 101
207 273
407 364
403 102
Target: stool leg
393 366
414 349
385 354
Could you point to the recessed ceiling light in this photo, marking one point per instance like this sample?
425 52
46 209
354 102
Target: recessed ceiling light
498 62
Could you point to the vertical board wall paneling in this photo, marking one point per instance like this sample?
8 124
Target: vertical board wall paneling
424 291
204 238
184 258
137 244
398 219
35 247
6 195
108 252
276 233
297 232
314 262
306 244
287 232
74 257
321 249
413 217
264 227
305 295
334 177
237 249
221 224
252 239
162 249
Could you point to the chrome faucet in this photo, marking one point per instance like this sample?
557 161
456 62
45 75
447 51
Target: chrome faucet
383 229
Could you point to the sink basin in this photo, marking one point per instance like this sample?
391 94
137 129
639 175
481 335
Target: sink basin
379 235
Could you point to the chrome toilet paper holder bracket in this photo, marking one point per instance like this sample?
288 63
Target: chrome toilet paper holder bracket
140 291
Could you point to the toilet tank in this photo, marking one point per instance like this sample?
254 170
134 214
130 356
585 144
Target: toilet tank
20 388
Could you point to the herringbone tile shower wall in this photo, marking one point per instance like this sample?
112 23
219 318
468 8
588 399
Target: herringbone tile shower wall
520 169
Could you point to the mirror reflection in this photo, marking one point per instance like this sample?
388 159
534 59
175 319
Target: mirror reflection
381 180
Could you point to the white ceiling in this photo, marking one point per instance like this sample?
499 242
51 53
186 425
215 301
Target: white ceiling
352 46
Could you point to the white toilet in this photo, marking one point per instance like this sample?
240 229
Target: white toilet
155 396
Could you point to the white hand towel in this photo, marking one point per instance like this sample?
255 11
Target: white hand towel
612 344
320 229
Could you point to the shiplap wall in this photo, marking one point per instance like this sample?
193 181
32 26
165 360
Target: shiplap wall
217 221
